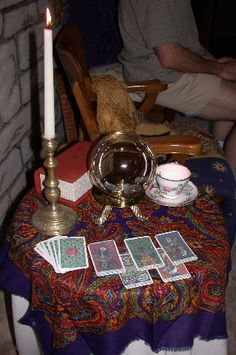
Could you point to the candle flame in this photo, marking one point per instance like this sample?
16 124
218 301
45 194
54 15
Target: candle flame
48 18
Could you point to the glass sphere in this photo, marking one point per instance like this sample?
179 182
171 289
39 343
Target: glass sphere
120 165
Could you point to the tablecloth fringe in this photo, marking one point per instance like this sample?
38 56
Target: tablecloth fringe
173 349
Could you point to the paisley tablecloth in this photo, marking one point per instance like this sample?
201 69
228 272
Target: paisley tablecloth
78 312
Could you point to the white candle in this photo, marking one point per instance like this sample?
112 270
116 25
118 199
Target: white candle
49 113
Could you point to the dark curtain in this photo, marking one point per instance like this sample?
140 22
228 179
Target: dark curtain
98 23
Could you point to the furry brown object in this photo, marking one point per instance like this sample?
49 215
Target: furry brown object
115 109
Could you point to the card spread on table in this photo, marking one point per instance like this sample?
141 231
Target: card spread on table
64 253
171 272
143 253
175 247
105 258
132 277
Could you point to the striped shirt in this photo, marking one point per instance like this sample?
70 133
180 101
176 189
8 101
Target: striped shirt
148 24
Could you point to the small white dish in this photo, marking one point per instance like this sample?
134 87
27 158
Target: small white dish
187 196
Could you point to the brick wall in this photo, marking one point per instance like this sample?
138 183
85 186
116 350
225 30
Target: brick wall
21 98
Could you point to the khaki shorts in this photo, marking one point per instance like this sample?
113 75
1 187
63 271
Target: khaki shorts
190 94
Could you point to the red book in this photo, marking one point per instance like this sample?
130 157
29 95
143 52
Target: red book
71 172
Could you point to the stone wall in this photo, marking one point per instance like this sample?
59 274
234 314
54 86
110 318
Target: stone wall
21 98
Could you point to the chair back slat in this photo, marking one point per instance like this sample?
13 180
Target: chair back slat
72 58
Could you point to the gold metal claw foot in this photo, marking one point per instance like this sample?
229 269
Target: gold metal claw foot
138 213
104 215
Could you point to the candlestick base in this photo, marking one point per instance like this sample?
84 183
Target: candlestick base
54 220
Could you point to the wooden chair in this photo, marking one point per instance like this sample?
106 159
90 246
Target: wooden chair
71 55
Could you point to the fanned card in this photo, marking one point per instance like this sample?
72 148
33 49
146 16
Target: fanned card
143 253
64 253
105 258
175 247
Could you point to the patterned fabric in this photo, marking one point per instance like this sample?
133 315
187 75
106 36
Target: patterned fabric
79 302
214 178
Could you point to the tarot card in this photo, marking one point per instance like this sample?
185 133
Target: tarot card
171 272
42 253
53 246
143 253
175 247
51 253
45 253
72 254
132 277
47 250
106 258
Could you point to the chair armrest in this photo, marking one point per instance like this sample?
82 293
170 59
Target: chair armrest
181 146
150 88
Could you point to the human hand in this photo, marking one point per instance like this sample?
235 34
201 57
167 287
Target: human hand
225 60
228 69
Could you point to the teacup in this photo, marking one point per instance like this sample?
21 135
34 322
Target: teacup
172 178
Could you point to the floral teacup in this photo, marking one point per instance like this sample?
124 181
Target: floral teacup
171 179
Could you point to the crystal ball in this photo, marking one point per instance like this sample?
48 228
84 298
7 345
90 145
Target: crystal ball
120 166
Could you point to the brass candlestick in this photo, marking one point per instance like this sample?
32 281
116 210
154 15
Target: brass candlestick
54 218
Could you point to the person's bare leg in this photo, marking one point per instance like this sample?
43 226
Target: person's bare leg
221 129
230 149
224 106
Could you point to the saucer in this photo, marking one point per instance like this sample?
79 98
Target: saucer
187 196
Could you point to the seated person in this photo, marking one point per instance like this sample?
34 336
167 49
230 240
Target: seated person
160 41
